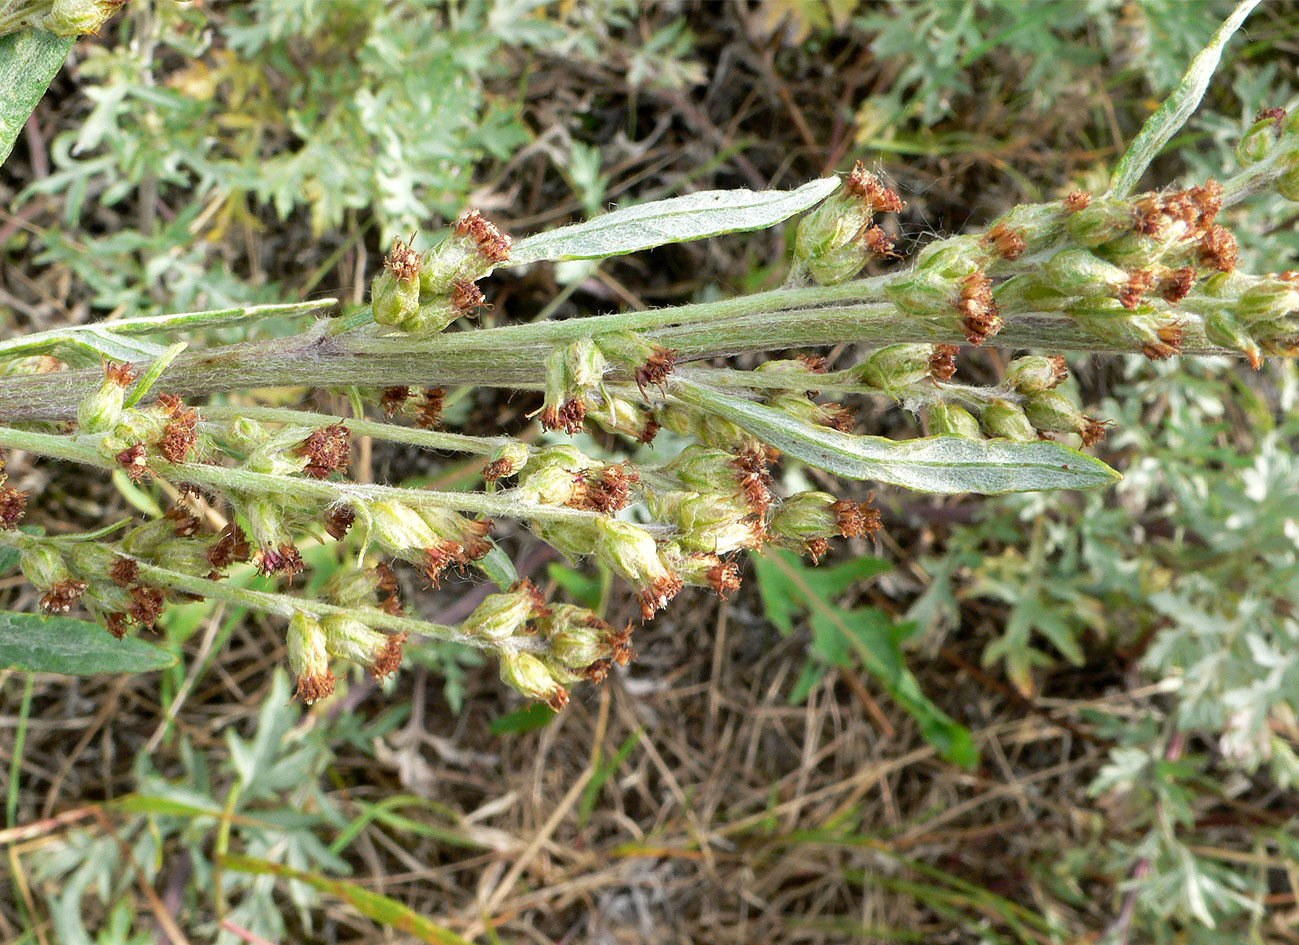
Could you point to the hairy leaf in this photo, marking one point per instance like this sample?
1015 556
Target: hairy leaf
28 63
675 220
943 464
37 644
1177 108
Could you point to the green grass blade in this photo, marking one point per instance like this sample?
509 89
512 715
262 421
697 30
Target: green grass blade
382 909
28 63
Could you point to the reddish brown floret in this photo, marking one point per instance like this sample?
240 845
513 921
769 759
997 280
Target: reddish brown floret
315 687
388 660
180 435
440 557
1169 343
1139 283
1218 249
430 412
327 449
817 548
120 373
942 362
62 597
724 578
814 363
656 370
605 491
1093 430
477 544
979 316
124 571
13 506
133 460
1276 115
231 546
569 417
184 523
838 417
1006 242
492 245
115 623
283 560
392 398
1076 200
338 520
146 604
856 518
402 261
466 297
754 480
651 430
657 595
497 469
866 186
1206 202
1177 284
879 243
558 699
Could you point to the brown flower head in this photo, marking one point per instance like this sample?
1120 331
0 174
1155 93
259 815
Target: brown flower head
979 316
388 660
13 505
283 560
1168 344
1276 115
430 411
338 520
124 572
231 546
878 243
326 450
180 435
466 297
1007 242
942 362
62 597
1139 283
724 578
120 373
866 187
1218 249
656 370
1076 200
133 460
856 518
492 245
402 261
1177 284
146 604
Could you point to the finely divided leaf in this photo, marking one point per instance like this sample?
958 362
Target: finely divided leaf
943 464
37 644
1177 108
29 60
676 220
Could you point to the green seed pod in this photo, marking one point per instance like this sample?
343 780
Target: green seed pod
1051 411
1223 330
806 516
838 265
309 657
576 636
1001 418
702 469
430 318
571 539
950 260
945 419
502 616
352 586
531 677
923 294
631 552
1036 373
77 17
397 527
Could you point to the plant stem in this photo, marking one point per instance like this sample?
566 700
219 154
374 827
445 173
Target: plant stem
306 492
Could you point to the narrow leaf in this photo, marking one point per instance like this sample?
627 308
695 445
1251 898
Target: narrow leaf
28 63
37 644
675 220
498 568
942 464
1177 108
382 909
153 372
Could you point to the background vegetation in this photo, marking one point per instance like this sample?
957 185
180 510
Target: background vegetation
1125 660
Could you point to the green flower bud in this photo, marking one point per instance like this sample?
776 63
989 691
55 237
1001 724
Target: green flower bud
266 521
714 522
703 469
1287 185
702 569
945 419
895 368
474 248
572 539
309 657
429 318
101 410
617 415
833 415
528 675
349 639
502 616
1268 298
244 435
1053 412
1100 221
1081 272
950 260
1255 144
91 558
1036 225
76 17
923 294
1001 418
838 265
1036 373
631 552
43 566
1223 330
394 299
577 637
506 460
351 586
805 516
